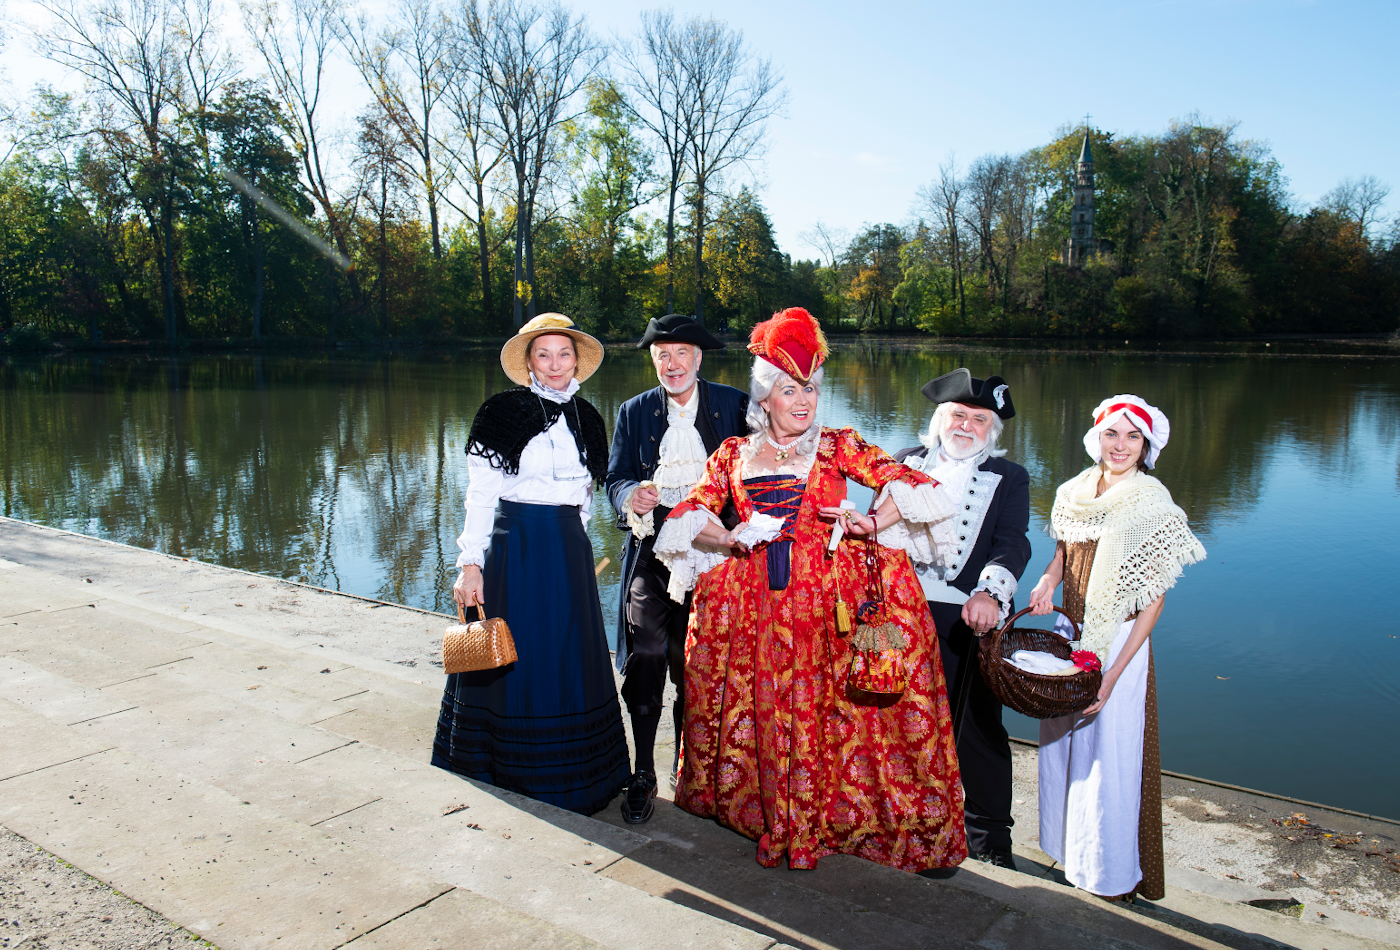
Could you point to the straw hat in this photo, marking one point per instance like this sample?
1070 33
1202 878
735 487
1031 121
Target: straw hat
515 354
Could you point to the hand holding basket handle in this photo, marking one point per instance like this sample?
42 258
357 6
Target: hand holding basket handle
1033 694
483 644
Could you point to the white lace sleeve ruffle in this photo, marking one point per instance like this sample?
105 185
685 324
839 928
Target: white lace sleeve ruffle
926 524
1001 584
683 556
641 526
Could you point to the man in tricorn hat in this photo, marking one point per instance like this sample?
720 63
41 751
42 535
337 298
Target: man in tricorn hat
970 583
660 445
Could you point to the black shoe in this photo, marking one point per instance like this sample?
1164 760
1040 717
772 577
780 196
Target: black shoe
997 858
637 803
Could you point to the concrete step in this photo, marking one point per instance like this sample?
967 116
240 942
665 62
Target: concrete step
199 726
236 874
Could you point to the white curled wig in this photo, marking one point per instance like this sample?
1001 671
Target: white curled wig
763 378
933 438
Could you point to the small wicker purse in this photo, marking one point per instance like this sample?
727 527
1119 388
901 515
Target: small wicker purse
483 644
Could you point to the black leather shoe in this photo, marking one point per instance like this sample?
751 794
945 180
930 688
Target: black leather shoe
998 858
638 801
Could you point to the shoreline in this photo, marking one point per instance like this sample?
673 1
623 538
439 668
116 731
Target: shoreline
1379 346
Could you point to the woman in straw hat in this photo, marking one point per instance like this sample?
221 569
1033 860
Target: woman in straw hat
549 725
782 743
1122 543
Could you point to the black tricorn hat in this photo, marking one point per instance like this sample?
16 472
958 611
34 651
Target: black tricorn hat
961 386
678 328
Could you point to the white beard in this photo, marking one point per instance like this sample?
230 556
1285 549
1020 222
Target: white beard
676 387
949 446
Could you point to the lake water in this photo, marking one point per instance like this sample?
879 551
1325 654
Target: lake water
1278 659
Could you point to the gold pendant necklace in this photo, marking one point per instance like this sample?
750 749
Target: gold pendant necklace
782 450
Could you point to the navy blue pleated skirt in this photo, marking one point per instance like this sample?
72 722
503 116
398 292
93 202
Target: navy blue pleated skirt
549 725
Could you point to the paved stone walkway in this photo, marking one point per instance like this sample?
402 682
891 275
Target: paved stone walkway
248 758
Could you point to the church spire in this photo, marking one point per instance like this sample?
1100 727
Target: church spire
1082 244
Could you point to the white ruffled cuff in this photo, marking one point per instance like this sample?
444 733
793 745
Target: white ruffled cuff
926 524
1001 584
642 526
471 560
683 556
919 504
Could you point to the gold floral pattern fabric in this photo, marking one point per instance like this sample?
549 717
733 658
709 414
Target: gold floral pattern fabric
778 745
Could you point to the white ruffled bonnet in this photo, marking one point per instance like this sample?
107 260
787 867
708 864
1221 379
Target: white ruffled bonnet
1141 414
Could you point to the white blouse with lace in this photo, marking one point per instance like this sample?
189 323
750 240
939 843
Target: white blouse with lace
550 474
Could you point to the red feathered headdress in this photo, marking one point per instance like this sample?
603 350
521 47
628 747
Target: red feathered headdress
791 341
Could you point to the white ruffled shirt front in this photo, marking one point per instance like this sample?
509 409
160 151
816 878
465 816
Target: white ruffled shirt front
680 462
550 474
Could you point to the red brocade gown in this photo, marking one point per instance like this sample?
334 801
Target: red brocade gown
776 747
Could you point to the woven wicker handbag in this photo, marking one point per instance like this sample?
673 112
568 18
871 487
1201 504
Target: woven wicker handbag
483 644
1036 695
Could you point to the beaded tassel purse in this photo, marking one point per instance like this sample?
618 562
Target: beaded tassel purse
877 657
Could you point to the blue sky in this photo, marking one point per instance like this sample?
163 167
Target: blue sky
880 94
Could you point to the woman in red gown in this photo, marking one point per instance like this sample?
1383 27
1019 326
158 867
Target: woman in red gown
779 744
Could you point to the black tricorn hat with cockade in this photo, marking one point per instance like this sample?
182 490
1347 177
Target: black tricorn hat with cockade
678 328
961 386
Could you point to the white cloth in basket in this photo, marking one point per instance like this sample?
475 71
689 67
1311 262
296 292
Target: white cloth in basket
1036 661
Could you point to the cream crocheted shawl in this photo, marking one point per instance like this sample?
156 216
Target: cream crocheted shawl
1144 543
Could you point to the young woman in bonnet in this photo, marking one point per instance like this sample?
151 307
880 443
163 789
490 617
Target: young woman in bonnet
1122 543
549 725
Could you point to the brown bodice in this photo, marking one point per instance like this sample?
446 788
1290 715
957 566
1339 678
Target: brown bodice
1079 561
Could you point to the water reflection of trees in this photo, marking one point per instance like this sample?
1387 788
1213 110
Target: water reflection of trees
350 473
1228 414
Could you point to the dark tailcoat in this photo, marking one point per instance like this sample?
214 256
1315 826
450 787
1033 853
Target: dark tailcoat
636 445
994 525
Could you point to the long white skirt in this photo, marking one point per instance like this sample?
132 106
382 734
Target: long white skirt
1091 783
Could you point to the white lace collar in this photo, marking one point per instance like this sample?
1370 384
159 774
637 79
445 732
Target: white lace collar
553 395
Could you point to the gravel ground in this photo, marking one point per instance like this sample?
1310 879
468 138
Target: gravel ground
1309 854
47 904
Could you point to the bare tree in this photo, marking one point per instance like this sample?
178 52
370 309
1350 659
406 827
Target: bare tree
474 153
297 49
531 62
940 201
128 51
383 184
207 63
830 242
1359 200
659 93
9 111
728 96
408 67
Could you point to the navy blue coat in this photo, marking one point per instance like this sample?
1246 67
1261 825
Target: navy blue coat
641 422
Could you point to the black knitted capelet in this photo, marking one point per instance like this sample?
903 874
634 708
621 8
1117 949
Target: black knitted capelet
507 421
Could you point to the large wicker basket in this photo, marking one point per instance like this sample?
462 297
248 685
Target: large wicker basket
1033 694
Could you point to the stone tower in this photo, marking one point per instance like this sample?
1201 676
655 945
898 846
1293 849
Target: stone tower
1082 244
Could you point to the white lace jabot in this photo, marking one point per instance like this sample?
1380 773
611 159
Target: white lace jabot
680 463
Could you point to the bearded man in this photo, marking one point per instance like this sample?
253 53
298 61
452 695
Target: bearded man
660 445
970 584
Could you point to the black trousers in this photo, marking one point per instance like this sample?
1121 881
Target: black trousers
984 752
655 640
